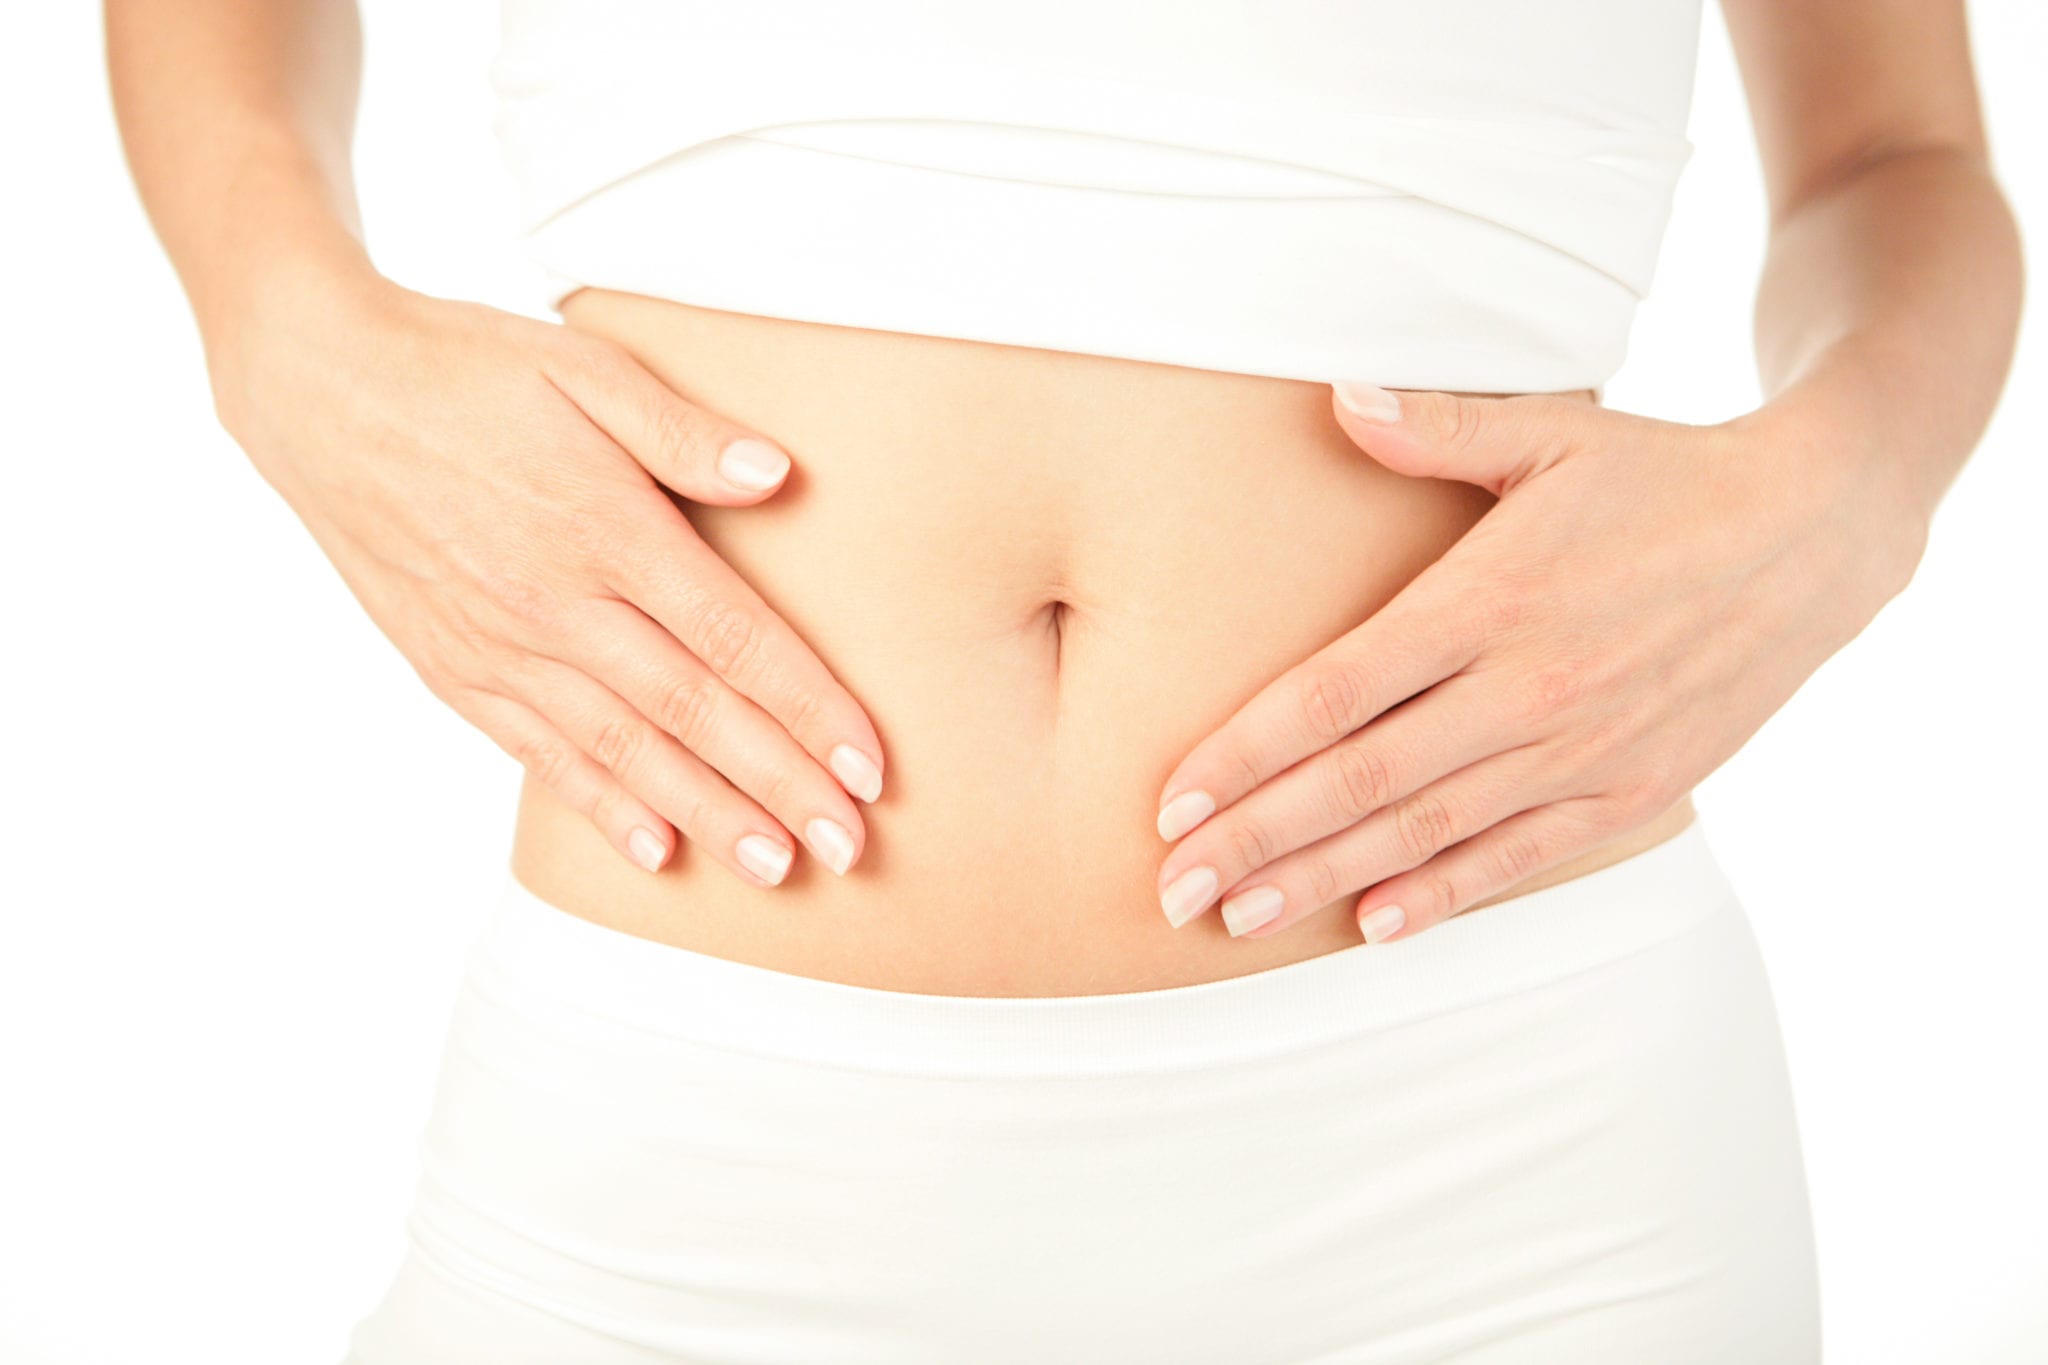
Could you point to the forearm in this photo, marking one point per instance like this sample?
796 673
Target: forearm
237 117
1886 318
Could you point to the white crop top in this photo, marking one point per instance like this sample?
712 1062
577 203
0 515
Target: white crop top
1451 194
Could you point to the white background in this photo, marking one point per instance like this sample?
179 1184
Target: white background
246 848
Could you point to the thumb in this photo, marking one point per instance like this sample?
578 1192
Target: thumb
1495 443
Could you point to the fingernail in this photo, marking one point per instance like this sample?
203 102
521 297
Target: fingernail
1246 912
831 842
766 858
1184 812
1187 894
1369 401
856 772
1382 923
752 465
647 848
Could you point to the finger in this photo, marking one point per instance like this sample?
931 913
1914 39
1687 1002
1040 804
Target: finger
629 824
1414 744
1403 648
1393 839
1470 871
623 648
696 596
701 804
1494 443
696 452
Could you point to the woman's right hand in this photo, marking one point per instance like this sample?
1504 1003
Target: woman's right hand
492 490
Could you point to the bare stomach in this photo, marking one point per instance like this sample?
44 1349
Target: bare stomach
1046 576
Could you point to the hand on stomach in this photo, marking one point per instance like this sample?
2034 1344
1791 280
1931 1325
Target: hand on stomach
1045 576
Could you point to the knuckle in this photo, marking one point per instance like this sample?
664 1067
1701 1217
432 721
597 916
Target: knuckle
618 743
1653 789
673 429
1454 423
583 359
728 638
1555 424
1361 780
1437 892
686 709
689 810
608 356
799 708
775 786
1332 699
596 352
1635 785
1600 733
1250 846
636 558
1517 854
547 759
520 595
1594 818
605 806
526 748
593 536
1423 827
1553 690
1504 609
1320 878
1245 771
438 679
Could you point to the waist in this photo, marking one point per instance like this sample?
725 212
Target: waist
1046 576
530 951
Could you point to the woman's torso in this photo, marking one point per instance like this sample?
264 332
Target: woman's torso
1046 575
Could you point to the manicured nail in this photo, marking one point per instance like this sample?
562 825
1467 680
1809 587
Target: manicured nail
1247 911
1184 812
1185 896
766 858
1381 923
831 842
1369 401
752 465
856 772
647 848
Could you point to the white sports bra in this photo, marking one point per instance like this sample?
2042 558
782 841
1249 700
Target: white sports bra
1452 194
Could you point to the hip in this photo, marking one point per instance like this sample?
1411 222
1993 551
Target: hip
1558 1131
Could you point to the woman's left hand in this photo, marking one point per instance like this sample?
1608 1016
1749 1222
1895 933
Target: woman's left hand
1640 599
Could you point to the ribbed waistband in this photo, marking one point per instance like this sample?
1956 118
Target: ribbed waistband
538 951
1391 288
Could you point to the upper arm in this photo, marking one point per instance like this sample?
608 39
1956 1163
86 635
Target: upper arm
1834 83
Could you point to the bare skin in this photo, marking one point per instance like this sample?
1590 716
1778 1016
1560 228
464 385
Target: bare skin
1027 564
1040 591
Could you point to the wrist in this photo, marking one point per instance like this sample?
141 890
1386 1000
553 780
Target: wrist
278 254
283 303
1839 462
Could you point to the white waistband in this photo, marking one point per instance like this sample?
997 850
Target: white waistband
1387 288
539 953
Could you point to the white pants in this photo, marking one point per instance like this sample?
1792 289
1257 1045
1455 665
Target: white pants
1555 1130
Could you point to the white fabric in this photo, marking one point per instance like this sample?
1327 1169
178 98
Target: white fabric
1464 194
1554 1129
